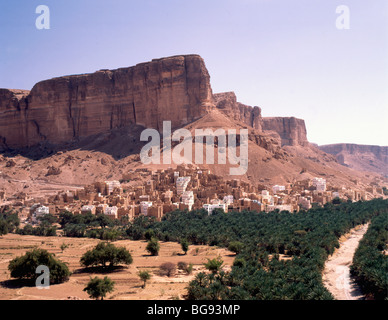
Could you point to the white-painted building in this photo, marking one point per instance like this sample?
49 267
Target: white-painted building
319 184
277 188
264 192
111 212
39 212
144 205
304 203
228 199
88 208
111 185
188 198
210 207
282 207
335 194
181 184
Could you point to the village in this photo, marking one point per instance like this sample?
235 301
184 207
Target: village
156 193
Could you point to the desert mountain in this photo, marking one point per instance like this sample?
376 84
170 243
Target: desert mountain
71 131
360 157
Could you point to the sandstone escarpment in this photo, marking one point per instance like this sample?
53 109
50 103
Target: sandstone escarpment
66 108
360 157
227 103
292 131
13 106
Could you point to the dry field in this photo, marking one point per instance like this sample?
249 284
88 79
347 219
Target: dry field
128 286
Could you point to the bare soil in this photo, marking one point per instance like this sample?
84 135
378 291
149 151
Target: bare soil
128 286
336 275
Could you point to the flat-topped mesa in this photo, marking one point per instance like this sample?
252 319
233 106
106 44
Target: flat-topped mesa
292 131
227 103
360 157
175 89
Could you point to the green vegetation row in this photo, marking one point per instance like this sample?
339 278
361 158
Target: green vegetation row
370 262
261 241
259 272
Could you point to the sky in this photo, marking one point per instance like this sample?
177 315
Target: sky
287 57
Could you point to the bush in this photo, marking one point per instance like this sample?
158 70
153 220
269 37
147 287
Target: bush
3 227
214 265
149 234
105 253
8 222
168 269
24 267
189 269
153 247
144 276
98 288
235 246
182 265
185 245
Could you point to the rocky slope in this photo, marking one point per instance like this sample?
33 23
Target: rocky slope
61 109
292 131
94 122
360 157
228 104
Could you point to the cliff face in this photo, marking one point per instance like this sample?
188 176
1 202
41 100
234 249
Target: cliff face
292 131
360 157
227 103
13 105
61 109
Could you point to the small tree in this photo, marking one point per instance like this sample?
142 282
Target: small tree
214 265
104 220
144 276
168 268
149 234
64 246
3 227
105 253
98 288
24 267
235 246
185 245
153 247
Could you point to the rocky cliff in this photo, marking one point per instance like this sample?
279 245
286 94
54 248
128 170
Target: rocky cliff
360 157
292 131
62 109
227 103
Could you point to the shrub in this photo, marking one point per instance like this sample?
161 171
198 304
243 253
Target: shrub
168 269
24 267
144 276
98 288
185 245
214 265
182 265
153 247
235 246
105 253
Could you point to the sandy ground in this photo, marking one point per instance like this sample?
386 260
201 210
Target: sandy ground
128 286
336 275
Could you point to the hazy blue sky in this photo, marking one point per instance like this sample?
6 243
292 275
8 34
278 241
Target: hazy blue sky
285 56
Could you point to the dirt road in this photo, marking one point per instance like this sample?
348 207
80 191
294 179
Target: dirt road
336 275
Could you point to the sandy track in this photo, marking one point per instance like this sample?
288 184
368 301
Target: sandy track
336 275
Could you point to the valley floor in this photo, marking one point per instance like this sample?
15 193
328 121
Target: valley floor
336 275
